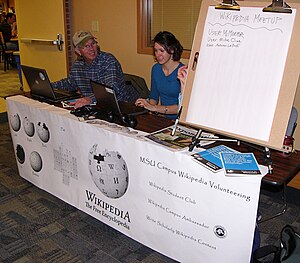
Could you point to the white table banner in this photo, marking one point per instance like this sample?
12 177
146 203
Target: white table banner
158 197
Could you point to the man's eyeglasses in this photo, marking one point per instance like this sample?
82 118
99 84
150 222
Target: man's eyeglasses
88 46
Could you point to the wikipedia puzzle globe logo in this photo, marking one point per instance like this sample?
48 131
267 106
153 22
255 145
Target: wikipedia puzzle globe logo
109 172
43 131
28 127
15 122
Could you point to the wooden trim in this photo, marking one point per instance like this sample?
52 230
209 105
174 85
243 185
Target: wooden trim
68 41
144 9
144 26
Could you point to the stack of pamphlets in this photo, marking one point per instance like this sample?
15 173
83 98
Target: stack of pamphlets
231 161
181 139
211 159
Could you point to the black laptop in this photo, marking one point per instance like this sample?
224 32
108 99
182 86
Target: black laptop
107 100
41 88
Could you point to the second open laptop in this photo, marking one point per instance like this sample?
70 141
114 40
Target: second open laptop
41 88
107 100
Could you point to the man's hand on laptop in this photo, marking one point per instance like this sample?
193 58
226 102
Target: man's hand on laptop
81 102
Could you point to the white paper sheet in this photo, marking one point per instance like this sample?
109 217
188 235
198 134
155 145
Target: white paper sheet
239 72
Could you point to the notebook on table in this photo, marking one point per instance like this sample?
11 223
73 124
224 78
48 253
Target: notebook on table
41 88
107 100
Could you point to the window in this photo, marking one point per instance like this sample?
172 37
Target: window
177 16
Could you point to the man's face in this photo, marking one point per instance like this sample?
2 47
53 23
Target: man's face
89 50
12 19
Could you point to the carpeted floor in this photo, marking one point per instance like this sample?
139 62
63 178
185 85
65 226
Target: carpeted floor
9 82
38 227
9 85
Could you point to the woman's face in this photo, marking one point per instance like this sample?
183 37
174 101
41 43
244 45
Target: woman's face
161 55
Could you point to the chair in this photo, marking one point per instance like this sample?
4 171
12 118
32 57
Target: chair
2 52
7 55
138 83
288 143
292 122
16 55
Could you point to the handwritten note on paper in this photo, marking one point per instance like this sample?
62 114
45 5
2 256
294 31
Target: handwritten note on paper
239 72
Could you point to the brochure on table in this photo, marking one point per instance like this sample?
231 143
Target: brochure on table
239 164
181 139
211 158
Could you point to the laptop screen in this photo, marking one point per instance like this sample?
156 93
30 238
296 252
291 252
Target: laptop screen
38 82
105 97
107 101
41 88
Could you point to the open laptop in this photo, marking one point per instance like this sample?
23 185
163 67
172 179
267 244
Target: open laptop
107 100
41 88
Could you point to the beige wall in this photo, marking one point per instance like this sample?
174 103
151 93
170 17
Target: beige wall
117 31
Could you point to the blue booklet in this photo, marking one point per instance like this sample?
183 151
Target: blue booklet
239 164
211 159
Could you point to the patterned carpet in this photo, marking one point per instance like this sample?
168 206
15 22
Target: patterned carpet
9 82
9 85
37 227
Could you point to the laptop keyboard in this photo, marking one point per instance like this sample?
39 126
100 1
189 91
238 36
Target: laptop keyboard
64 93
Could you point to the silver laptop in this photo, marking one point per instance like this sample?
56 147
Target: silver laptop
41 88
107 100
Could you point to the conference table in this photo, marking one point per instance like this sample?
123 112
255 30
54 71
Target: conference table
285 166
157 196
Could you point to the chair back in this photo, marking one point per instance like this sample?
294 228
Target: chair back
7 55
2 42
292 124
138 83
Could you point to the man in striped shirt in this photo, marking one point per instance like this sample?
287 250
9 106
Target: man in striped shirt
99 66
